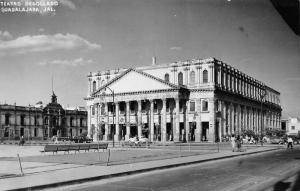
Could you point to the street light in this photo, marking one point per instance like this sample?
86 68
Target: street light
113 122
262 95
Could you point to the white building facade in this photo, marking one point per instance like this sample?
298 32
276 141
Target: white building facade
196 100
293 126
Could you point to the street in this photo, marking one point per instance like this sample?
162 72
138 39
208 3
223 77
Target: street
240 173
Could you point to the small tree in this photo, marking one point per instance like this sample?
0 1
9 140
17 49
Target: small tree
248 133
275 132
84 134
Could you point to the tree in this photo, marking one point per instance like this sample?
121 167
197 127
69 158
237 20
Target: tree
275 132
248 133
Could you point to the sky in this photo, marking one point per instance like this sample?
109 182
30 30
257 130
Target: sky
75 37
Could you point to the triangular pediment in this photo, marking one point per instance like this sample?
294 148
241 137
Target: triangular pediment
135 81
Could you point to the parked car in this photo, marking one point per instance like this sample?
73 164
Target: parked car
138 141
276 140
296 140
80 139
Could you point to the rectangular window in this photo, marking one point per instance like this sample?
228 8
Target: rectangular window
192 106
168 105
22 120
93 110
102 110
6 119
204 105
293 127
35 132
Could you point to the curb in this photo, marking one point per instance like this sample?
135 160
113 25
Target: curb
82 180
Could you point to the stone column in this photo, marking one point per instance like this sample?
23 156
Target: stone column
212 76
139 113
245 118
239 126
151 120
232 118
250 119
163 120
212 120
224 111
198 74
95 136
88 122
106 122
222 76
90 86
177 121
230 127
198 133
127 136
187 124
186 78
117 129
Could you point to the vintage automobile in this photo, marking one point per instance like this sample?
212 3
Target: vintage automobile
135 141
81 139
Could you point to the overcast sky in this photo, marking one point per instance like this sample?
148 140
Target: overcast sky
83 36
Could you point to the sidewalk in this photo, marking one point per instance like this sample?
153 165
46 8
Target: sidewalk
43 175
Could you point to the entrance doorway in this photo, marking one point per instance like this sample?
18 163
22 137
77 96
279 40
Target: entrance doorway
192 129
182 132
111 132
122 131
205 126
169 132
157 132
217 138
21 131
133 131
54 132
145 130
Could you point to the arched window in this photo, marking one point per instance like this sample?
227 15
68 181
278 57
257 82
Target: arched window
192 77
71 122
81 122
167 77
46 120
94 86
205 76
22 120
180 78
6 119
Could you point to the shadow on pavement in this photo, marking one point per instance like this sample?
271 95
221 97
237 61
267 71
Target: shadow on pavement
284 185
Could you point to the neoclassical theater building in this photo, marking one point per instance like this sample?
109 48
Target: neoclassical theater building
41 122
195 100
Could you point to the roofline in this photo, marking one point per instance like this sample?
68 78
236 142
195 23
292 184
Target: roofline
138 71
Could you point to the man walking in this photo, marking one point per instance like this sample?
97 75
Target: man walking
290 142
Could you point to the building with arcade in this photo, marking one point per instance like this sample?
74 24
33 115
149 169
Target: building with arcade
195 100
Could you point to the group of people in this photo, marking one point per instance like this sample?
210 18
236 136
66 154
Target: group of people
236 143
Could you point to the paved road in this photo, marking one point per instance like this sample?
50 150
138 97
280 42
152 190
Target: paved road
230 174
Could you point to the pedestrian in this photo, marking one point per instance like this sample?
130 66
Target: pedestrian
56 140
290 142
22 141
239 143
233 142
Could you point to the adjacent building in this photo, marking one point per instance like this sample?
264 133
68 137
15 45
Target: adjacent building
41 122
194 100
292 126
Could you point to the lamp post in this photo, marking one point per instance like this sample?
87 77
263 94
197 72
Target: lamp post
113 111
262 95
